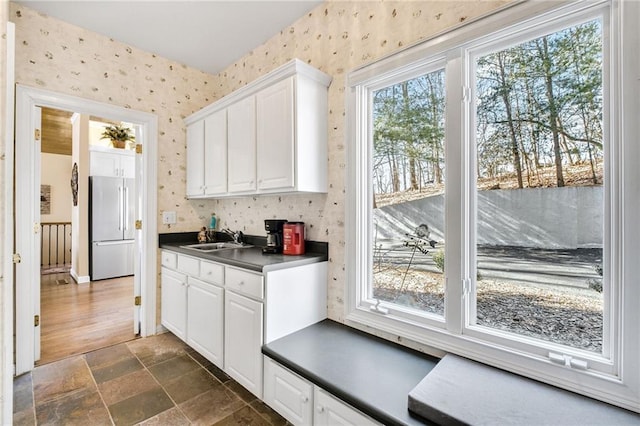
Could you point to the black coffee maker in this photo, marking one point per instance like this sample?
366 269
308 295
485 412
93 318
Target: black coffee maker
274 235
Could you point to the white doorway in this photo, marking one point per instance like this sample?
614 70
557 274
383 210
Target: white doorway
27 212
81 311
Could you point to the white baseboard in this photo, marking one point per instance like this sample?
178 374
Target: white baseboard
79 280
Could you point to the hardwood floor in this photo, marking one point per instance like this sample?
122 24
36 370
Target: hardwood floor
75 319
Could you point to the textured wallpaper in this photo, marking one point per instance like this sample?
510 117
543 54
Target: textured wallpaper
336 37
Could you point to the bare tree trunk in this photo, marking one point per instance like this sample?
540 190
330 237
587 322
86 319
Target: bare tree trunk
395 178
535 146
553 112
512 131
567 149
585 119
594 176
437 172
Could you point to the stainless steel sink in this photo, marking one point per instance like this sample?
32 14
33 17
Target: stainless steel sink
208 247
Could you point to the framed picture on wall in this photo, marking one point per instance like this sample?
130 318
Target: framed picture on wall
74 184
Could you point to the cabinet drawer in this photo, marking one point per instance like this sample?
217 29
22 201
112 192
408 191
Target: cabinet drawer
212 272
189 265
287 393
244 282
169 259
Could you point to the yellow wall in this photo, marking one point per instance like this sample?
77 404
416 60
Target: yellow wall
55 171
335 37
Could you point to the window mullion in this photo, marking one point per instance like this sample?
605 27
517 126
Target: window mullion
454 190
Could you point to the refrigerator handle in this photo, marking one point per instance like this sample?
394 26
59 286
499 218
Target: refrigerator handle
120 208
126 208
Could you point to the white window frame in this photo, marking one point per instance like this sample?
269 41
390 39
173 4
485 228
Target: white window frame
613 376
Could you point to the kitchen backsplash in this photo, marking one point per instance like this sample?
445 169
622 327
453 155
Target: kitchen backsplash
335 37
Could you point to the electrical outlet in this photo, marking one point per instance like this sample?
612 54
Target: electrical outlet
168 218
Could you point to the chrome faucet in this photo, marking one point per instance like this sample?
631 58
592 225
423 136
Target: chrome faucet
238 236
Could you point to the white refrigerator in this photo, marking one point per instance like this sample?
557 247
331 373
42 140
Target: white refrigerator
112 227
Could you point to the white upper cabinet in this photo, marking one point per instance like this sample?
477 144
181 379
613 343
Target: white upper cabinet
207 156
112 162
215 153
195 159
276 135
241 145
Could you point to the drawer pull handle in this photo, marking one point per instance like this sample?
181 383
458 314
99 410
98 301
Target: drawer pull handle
304 399
241 283
320 409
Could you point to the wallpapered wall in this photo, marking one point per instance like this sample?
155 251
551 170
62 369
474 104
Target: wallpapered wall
336 37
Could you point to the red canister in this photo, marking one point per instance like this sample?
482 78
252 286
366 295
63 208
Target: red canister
293 238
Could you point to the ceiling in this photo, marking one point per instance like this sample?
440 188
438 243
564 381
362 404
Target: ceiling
208 35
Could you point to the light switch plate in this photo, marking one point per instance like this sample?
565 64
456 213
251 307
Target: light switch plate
168 218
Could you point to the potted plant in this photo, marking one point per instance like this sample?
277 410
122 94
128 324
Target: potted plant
118 134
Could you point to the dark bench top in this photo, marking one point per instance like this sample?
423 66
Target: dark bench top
463 392
371 374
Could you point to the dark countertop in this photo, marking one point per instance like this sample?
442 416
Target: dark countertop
369 373
250 258
463 392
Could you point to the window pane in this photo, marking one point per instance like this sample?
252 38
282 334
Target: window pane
539 140
408 186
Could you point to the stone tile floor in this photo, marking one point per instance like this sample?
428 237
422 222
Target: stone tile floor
157 380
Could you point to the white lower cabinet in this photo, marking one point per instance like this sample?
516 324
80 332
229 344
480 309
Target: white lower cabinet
331 411
294 398
205 320
243 341
227 313
192 305
174 314
287 393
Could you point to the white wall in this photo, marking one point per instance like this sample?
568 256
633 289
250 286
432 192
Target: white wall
55 171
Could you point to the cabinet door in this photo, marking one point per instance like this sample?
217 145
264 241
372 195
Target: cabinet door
195 159
205 320
243 341
215 153
330 411
287 393
104 164
174 302
275 136
241 145
128 166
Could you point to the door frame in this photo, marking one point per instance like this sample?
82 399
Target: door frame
27 99
6 342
